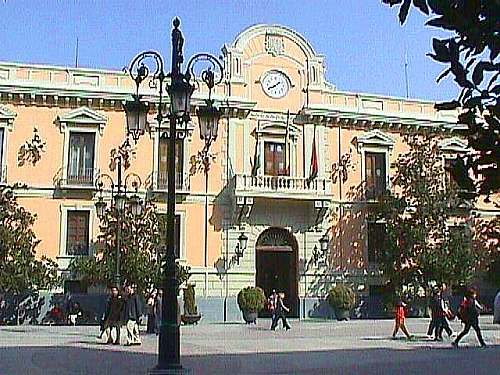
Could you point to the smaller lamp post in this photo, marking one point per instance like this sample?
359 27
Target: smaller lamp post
119 203
321 254
323 244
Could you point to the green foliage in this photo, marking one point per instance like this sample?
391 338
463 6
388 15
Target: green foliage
142 259
487 239
471 55
421 247
190 307
251 299
21 273
341 297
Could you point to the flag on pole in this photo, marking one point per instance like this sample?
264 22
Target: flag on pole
286 156
256 157
314 159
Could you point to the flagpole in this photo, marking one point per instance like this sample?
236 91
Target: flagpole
406 75
287 170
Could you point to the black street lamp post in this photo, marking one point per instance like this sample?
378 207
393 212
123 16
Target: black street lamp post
119 202
179 89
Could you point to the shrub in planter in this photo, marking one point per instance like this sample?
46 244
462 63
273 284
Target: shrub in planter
251 300
190 315
342 299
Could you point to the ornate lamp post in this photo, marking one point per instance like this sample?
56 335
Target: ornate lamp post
179 89
119 203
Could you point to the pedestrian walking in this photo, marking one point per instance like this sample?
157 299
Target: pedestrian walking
448 313
431 331
158 310
132 316
272 302
110 333
468 313
400 317
150 303
280 312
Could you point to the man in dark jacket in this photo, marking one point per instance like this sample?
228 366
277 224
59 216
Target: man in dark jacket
469 312
132 316
112 317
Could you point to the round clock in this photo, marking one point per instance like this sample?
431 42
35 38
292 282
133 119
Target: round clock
275 84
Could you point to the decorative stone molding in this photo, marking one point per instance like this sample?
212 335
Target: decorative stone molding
7 117
374 138
83 117
453 145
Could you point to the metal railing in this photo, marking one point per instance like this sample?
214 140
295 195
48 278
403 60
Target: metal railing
85 177
283 185
161 180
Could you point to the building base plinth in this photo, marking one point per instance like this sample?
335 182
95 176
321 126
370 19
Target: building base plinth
169 371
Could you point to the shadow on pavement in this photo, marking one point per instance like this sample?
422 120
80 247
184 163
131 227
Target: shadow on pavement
73 360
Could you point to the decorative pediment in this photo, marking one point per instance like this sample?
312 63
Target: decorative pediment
453 145
7 116
375 138
275 128
83 116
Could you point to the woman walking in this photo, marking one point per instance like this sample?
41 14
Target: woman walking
280 313
400 316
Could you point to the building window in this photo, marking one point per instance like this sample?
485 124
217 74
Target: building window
375 172
377 241
77 235
162 222
274 159
163 164
2 151
81 158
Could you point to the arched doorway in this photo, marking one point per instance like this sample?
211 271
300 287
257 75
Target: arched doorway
276 261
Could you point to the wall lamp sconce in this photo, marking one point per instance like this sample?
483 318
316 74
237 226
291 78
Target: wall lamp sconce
240 247
322 253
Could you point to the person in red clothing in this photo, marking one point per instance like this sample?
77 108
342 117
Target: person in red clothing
400 315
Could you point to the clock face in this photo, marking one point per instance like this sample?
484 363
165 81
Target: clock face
275 84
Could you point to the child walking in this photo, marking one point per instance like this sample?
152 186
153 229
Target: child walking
400 315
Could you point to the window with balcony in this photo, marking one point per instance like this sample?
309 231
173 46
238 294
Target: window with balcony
274 159
377 241
81 158
163 164
376 174
77 233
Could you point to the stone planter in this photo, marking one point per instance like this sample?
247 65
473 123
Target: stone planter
342 314
190 319
250 317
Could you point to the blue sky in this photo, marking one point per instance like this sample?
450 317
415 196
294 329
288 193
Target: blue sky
362 40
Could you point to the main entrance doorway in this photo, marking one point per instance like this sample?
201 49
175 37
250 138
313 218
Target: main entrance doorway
276 253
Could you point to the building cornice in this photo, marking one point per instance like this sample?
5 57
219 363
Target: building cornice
365 118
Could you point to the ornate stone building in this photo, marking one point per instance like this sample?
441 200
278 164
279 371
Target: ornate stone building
274 178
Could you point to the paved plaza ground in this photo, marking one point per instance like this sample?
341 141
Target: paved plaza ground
311 347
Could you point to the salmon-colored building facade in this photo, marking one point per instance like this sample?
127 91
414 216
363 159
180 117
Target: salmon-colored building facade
284 130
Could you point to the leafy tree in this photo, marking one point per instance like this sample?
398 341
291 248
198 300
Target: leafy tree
142 255
471 56
21 273
141 251
421 247
487 239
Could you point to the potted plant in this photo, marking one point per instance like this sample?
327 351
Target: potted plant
251 300
342 299
190 315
